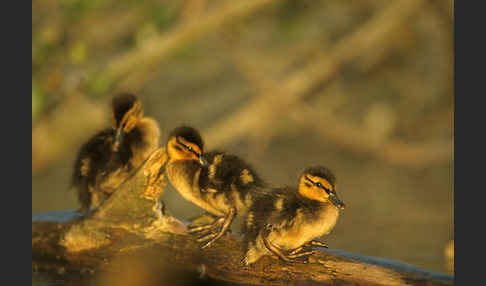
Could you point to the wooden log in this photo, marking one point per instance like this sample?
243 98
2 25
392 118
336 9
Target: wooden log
132 221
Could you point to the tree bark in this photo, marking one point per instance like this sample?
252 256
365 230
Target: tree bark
132 221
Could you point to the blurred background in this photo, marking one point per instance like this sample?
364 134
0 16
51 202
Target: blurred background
363 87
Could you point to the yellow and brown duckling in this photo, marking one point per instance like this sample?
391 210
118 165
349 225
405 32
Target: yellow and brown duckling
220 183
285 221
109 157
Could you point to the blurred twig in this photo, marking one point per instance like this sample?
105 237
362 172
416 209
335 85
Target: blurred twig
451 11
280 98
252 65
265 108
120 23
150 54
53 135
356 139
449 256
193 10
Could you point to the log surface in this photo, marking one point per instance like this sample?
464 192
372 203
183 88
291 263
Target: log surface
132 221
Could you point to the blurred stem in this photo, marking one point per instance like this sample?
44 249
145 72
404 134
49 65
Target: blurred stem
342 132
280 98
395 152
151 53
193 10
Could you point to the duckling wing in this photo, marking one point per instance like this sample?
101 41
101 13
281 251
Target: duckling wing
90 164
284 208
264 212
92 158
226 172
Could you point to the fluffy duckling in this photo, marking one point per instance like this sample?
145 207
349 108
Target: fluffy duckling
286 221
220 183
108 158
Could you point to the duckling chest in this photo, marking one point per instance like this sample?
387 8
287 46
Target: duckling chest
305 228
185 179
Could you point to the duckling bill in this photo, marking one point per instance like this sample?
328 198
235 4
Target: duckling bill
220 183
108 158
286 221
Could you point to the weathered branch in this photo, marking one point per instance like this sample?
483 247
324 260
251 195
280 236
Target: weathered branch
132 220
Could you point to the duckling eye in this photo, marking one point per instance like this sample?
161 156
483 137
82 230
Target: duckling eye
190 149
319 185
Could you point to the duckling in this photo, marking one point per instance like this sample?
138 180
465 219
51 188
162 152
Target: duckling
220 183
286 221
109 157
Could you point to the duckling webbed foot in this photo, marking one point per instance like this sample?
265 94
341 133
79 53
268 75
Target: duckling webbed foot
318 243
300 254
308 246
210 233
205 228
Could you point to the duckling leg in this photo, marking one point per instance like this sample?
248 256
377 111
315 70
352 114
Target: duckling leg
308 245
212 237
318 243
273 248
301 254
297 250
205 218
297 253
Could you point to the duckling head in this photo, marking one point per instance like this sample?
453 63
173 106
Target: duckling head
185 143
319 183
127 112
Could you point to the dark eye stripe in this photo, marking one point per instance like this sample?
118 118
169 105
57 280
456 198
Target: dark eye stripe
187 147
318 184
307 178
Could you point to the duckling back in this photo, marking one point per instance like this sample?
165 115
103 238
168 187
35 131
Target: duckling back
231 177
226 181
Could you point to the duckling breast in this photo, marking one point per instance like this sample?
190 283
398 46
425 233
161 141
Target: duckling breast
305 227
148 134
328 218
184 177
181 176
